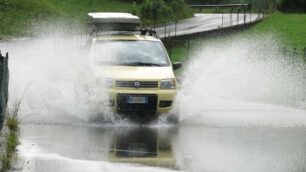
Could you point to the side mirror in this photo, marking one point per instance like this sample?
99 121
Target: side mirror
176 65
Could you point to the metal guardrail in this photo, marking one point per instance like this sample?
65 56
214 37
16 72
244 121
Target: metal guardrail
4 83
234 18
220 6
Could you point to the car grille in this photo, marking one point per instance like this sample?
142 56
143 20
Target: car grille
143 84
124 107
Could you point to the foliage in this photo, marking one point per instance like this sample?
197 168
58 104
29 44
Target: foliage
19 17
162 10
292 6
257 5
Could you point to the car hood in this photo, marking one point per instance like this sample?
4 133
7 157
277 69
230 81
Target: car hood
134 73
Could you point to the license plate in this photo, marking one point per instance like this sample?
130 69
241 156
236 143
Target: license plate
137 100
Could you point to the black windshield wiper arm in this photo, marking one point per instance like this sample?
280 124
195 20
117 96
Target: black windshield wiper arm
140 64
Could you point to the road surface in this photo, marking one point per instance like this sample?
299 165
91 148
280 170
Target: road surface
206 22
57 148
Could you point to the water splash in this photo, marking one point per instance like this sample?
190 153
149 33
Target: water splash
243 82
239 82
61 85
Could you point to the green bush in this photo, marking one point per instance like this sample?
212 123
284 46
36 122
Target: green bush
161 10
256 5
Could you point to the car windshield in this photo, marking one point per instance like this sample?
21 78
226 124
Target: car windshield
130 53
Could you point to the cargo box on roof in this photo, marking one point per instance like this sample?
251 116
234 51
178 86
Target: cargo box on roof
113 21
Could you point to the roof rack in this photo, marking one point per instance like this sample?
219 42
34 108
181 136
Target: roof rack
107 23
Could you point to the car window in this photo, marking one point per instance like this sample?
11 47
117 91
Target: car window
130 53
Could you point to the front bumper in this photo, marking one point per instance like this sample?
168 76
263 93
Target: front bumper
159 101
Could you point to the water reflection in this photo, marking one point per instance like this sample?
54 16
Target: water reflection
142 145
148 146
241 149
187 148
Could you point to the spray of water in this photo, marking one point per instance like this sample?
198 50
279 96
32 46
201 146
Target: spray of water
239 82
59 82
243 82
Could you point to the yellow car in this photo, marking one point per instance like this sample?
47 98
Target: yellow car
137 69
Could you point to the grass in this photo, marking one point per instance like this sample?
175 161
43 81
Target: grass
291 28
17 17
12 141
12 123
11 145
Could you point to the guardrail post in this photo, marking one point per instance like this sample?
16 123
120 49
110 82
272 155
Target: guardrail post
175 27
258 15
250 15
237 22
165 27
222 18
155 9
264 13
188 47
304 60
231 12
170 47
154 22
244 15
169 28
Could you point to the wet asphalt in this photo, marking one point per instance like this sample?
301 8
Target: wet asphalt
160 147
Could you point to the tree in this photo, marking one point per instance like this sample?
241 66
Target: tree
292 6
164 10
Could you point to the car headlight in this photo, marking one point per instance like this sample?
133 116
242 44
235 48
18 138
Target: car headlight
167 84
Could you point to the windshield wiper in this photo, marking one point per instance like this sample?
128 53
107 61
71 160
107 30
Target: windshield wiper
140 64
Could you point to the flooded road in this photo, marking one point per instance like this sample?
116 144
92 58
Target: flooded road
241 108
161 148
